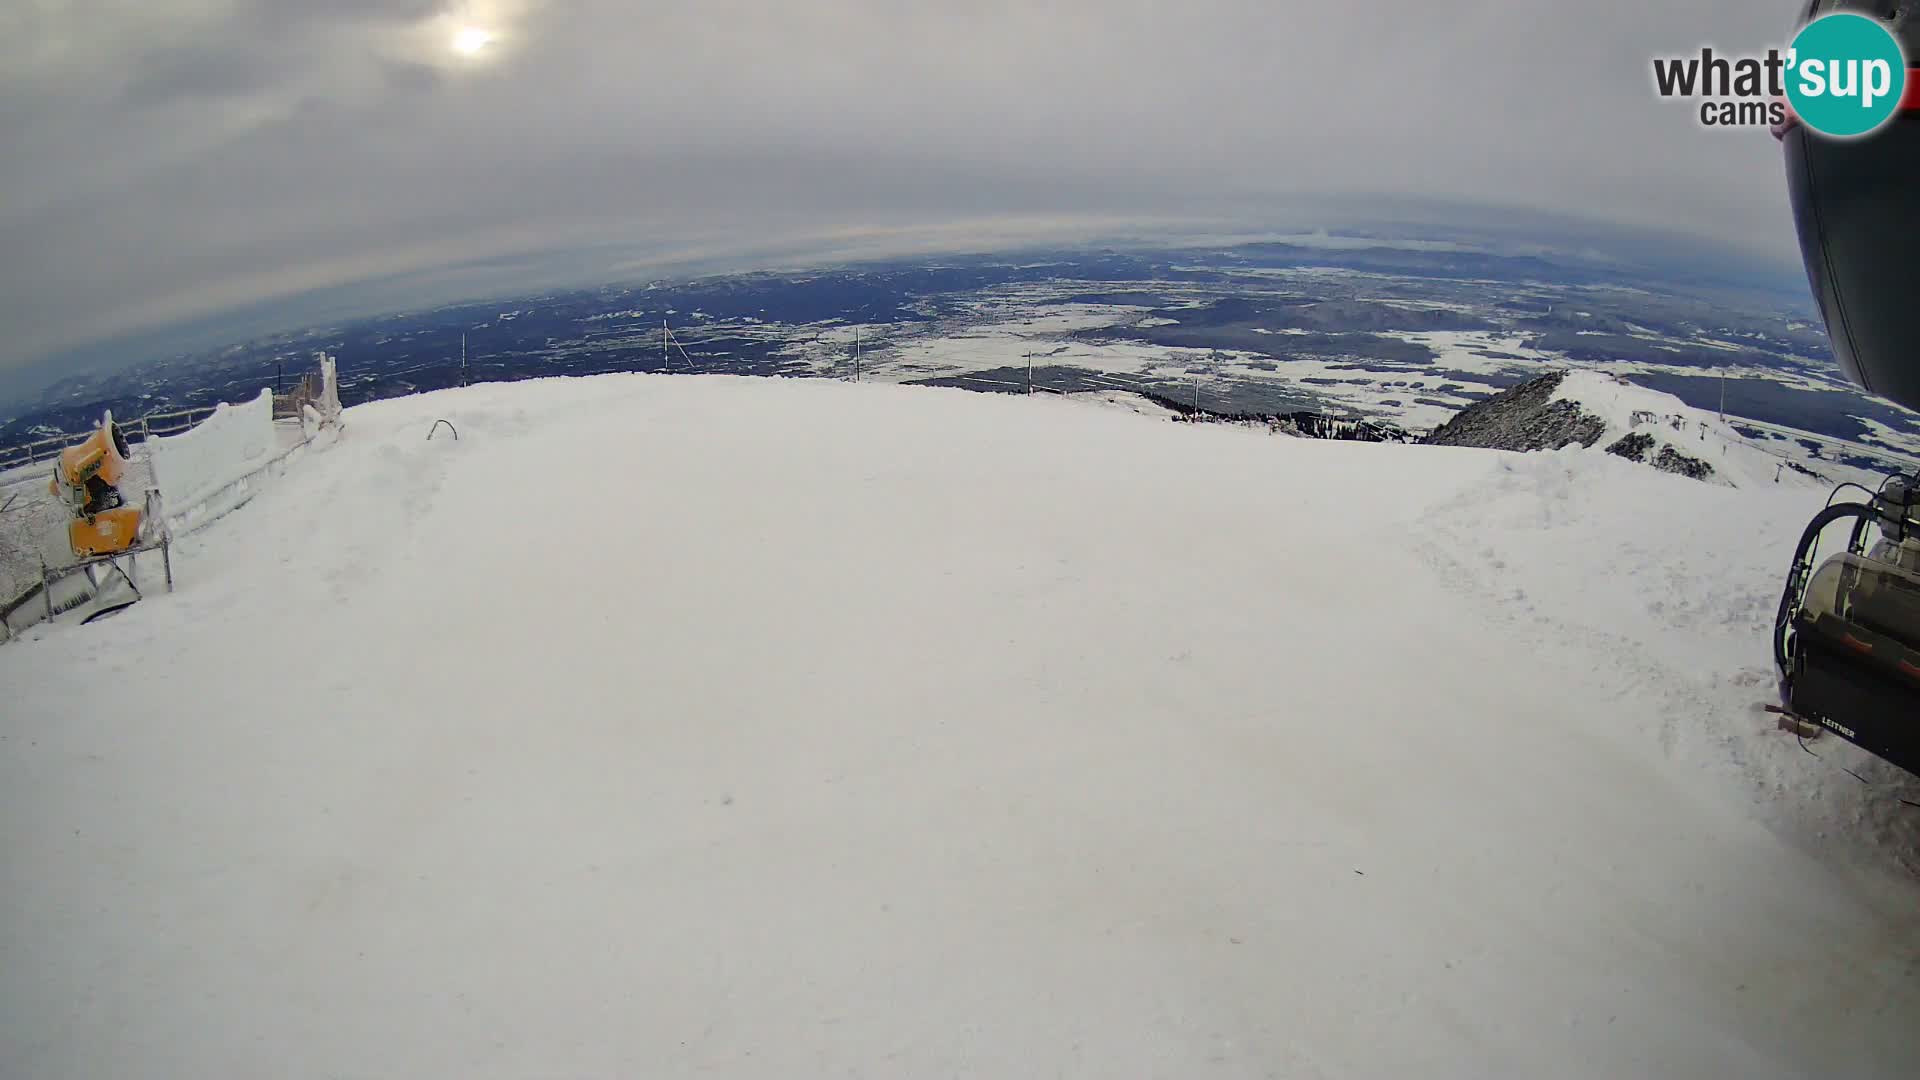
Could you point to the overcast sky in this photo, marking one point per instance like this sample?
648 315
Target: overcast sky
172 159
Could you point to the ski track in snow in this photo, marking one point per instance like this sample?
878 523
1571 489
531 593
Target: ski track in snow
1696 662
669 725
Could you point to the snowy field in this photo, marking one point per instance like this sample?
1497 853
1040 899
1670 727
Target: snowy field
665 726
983 338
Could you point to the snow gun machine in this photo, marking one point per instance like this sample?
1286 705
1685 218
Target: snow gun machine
102 528
1847 639
86 479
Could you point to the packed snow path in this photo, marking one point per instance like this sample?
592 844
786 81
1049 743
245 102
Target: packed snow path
667 726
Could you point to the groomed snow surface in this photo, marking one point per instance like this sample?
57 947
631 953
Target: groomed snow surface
666 726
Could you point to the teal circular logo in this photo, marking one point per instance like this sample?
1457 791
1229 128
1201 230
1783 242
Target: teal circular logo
1845 75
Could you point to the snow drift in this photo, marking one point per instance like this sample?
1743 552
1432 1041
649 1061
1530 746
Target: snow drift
234 441
664 726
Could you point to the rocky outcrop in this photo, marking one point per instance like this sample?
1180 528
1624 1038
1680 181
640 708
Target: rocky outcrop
1523 418
1671 460
1633 447
1528 417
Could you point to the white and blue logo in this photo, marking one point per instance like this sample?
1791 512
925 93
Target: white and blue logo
1847 75
1844 76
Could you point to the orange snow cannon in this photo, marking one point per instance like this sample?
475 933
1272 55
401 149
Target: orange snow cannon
87 480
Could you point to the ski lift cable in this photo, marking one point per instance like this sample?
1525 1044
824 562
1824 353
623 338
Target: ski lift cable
1892 457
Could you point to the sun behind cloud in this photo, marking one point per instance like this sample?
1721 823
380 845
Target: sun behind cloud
471 40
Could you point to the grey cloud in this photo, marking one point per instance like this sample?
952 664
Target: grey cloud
172 158
263 43
196 72
412 77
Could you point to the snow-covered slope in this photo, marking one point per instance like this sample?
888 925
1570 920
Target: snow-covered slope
1661 430
664 726
1602 411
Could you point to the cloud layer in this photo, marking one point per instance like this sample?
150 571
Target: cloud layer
169 159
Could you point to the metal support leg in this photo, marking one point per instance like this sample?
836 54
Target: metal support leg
126 575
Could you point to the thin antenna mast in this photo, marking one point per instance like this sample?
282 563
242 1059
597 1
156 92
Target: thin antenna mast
684 358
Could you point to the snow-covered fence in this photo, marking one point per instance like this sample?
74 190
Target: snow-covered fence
329 404
234 441
239 486
318 390
235 493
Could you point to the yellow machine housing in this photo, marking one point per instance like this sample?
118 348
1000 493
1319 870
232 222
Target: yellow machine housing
87 480
106 533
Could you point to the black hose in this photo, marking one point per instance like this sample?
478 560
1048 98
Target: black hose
1861 488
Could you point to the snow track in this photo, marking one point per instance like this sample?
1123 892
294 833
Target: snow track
671 726
1666 590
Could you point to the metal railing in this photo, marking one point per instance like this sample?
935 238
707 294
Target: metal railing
169 423
152 425
16 457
